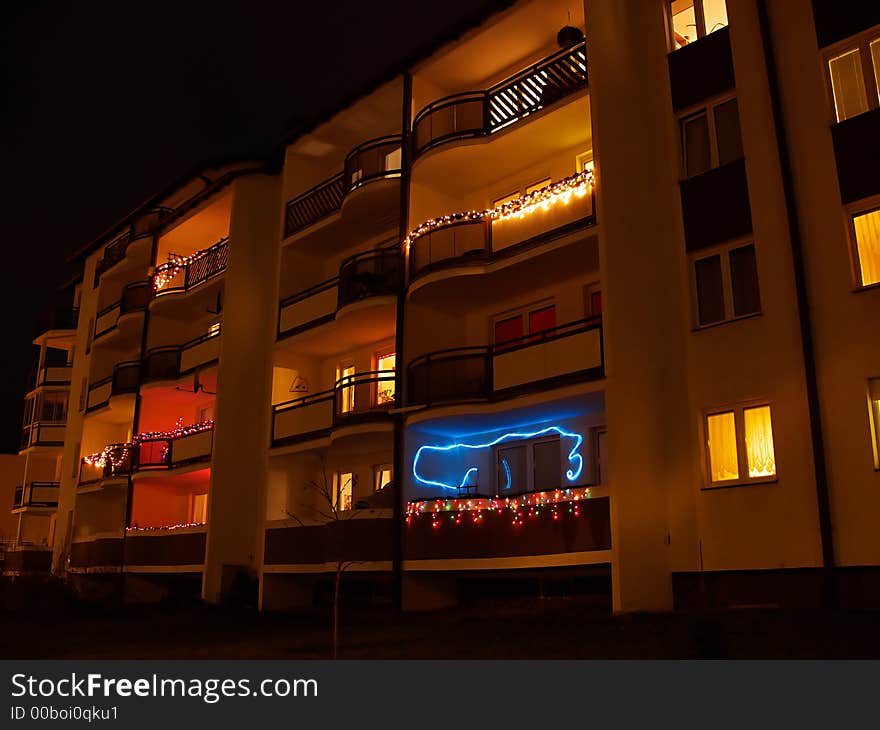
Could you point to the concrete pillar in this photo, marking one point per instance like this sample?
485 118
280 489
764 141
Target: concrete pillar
239 466
644 278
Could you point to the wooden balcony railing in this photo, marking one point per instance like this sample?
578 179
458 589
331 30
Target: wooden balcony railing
480 113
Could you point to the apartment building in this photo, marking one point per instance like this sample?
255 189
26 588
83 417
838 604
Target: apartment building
582 301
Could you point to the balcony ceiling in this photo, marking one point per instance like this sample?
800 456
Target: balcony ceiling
200 230
515 38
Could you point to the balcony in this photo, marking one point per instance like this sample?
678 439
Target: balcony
53 375
377 159
43 433
164 547
114 252
191 446
184 273
366 396
170 363
365 537
135 298
482 113
125 379
568 353
483 236
362 276
566 527
112 463
36 494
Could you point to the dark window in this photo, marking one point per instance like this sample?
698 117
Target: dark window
542 320
744 281
727 132
508 329
710 289
512 475
697 150
547 471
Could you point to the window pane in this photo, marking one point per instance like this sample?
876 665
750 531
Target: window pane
344 377
344 490
542 319
715 15
723 461
385 364
727 132
684 23
382 477
875 57
696 145
744 281
759 442
508 329
710 291
540 185
874 413
512 470
596 303
848 85
547 465
867 227
200 508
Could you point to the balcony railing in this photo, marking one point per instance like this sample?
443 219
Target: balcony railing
124 379
113 254
135 298
50 375
36 494
172 452
116 463
529 220
364 275
170 362
373 160
480 113
487 372
185 273
43 433
362 396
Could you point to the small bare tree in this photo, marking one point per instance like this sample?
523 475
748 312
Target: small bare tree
326 507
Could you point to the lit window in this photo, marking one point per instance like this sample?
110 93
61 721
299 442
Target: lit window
343 490
740 436
393 160
381 476
711 137
726 285
540 185
345 384
853 83
866 229
584 161
692 19
385 365
506 199
214 329
874 417
199 508
205 413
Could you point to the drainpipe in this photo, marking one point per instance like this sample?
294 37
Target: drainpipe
823 502
399 383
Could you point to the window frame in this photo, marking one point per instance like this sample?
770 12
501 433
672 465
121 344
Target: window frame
529 465
378 470
706 108
873 423
862 43
738 409
699 21
851 212
723 250
523 313
379 354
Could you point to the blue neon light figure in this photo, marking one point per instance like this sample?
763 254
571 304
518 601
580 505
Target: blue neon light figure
575 460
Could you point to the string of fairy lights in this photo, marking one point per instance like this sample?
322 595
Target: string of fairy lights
561 192
472 510
167 528
115 456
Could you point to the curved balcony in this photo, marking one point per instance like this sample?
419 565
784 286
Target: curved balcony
135 298
509 228
357 398
171 452
174 361
36 494
124 379
43 433
115 463
481 113
569 352
376 159
185 273
362 276
50 375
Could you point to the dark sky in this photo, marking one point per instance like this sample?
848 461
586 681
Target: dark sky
106 103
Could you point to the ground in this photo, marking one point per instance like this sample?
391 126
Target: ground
50 623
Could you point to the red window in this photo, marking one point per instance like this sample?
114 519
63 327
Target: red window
596 303
542 320
508 329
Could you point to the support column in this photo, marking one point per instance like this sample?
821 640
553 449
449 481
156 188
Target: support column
236 505
644 279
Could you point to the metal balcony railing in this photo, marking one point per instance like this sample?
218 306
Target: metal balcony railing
175 276
480 113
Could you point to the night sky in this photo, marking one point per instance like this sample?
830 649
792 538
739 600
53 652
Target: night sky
105 104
